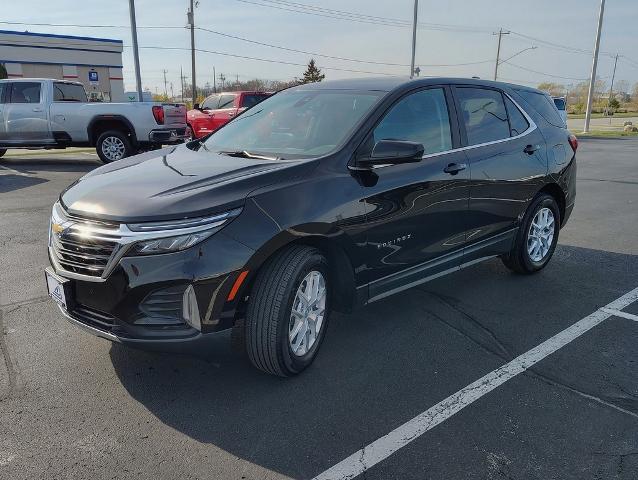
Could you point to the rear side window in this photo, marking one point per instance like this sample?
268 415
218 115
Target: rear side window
68 92
518 122
226 101
210 103
560 103
544 105
484 115
252 99
3 87
419 117
25 92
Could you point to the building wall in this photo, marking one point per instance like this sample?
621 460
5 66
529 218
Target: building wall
37 55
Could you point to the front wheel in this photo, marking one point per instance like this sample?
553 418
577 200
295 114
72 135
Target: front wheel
288 311
113 145
536 238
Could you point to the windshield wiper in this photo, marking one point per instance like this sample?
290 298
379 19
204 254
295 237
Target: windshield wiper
245 154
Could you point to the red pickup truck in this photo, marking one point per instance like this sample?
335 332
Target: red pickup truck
219 109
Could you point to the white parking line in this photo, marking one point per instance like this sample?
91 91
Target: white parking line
10 171
385 446
618 313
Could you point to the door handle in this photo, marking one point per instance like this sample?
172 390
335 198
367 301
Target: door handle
454 168
530 149
37 109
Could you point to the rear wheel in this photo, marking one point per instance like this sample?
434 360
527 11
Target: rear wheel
288 311
113 145
536 238
190 136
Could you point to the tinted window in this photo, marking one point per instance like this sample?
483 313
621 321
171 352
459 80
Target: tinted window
483 114
68 92
226 101
544 105
252 99
296 123
420 117
210 103
518 122
560 103
3 87
25 92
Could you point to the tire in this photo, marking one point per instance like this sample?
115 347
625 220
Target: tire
113 145
520 259
270 319
2 151
190 134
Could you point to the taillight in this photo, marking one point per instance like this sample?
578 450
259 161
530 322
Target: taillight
573 142
158 113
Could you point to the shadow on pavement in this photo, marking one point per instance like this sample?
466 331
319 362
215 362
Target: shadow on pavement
33 166
382 365
9 183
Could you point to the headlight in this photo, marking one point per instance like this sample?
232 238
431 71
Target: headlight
175 235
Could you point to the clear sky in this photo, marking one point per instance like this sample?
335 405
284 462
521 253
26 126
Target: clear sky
561 22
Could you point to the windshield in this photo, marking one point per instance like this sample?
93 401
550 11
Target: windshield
295 124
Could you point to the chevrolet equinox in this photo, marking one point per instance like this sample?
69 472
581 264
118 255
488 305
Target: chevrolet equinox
321 198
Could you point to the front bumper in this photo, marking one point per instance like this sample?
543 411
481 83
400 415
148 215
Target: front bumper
140 302
167 136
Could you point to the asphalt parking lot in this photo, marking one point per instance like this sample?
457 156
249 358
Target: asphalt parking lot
75 406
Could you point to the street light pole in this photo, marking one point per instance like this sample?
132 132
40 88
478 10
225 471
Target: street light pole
191 22
136 53
592 80
416 13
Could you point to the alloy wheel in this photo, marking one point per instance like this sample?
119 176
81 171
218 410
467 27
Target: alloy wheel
113 148
307 315
541 234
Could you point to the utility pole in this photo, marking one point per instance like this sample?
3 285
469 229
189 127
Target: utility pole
182 78
191 23
172 94
222 78
136 53
611 88
592 80
165 83
416 13
498 51
214 81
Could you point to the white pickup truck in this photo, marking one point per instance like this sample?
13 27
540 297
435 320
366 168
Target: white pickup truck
45 113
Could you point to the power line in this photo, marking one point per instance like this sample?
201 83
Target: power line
542 73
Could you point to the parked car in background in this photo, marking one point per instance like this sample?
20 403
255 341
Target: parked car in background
561 105
219 109
324 197
46 113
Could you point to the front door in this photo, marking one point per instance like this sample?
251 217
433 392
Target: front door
25 114
415 212
507 158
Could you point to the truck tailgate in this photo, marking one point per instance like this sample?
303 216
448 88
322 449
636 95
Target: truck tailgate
174 115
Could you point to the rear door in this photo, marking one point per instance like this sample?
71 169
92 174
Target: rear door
26 116
415 212
507 156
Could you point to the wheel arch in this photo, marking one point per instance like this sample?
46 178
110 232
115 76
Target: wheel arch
103 123
557 192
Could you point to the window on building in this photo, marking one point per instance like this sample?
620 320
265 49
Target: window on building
419 117
68 92
25 92
484 116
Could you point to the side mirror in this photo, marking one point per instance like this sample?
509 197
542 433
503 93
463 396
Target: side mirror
393 152
196 106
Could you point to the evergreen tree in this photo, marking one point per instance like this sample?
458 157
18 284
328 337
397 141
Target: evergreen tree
312 73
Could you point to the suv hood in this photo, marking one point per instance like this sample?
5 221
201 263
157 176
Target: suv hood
172 183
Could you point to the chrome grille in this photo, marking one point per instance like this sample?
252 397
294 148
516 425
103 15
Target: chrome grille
81 246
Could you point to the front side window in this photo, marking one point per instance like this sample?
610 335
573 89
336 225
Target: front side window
25 92
296 123
518 122
68 92
420 117
483 114
210 103
226 101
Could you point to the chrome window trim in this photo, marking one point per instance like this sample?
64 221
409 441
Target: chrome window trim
126 238
530 129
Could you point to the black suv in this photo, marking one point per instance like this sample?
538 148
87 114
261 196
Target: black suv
323 197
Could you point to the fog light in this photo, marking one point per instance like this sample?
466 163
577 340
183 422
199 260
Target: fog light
190 310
